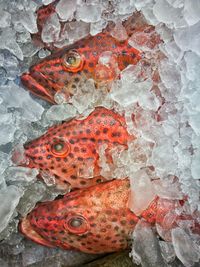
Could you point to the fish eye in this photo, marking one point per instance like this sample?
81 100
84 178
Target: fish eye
76 225
73 61
60 148
76 222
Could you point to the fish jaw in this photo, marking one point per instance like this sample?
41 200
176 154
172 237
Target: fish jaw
26 229
36 88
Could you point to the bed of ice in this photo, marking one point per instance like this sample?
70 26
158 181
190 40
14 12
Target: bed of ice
171 143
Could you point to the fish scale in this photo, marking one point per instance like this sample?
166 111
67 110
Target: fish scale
70 151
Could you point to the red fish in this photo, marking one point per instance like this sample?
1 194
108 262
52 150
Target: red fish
70 151
67 68
92 220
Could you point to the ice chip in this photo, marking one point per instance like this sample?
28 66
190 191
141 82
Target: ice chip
61 112
186 250
28 20
188 38
65 9
5 19
146 246
167 251
119 32
51 29
22 174
166 13
6 133
48 178
32 195
88 13
43 53
8 41
9 198
191 11
4 161
142 192
195 166
17 97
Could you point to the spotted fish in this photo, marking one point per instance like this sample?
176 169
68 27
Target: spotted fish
92 220
67 68
70 151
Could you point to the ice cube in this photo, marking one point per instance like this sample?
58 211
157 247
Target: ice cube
65 9
126 7
146 246
48 177
119 32
5 19
142 192
166 13
32 195
43 53
21 174
8 41
188 38
170 76
89 13
167 251
51 29
98 26
168 188
17 97
6 133
9 198
191 11
4 161
28 20
186 250
61 112
164 153
195 166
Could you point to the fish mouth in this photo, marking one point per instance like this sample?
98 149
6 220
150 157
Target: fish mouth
26 229
34 82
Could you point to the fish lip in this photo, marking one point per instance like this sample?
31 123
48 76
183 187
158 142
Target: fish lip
35 87
27 229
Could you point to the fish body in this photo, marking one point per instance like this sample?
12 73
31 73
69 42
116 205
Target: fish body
70 151
96 219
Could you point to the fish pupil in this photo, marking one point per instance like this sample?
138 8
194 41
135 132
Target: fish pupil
76 222
58 147
71 60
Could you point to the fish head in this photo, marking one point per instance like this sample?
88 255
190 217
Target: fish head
93 220
59 154
70 151
60 72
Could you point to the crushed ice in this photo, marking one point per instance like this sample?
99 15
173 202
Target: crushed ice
166 121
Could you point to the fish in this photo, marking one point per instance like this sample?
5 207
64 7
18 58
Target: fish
66 69
70 151
93 220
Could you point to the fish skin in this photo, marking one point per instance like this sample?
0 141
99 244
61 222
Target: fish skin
105 223
81 140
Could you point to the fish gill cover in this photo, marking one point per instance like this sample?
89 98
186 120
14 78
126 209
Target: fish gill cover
159 98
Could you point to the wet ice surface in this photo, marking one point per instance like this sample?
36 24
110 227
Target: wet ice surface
162 92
